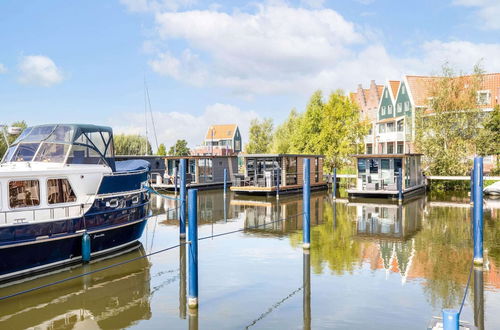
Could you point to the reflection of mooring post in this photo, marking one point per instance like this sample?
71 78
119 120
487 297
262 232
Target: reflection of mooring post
193 319
478 298
306 279
478 210
306 205
278 178
334 215
400 185
182 282
334 184
175 181
193 248
182 222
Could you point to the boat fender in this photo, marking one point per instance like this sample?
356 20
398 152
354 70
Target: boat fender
85 247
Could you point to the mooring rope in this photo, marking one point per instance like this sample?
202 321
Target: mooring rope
154 191
466 287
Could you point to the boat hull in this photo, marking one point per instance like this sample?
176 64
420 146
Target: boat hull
28 258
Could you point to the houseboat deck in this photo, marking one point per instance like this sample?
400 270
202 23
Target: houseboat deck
255 190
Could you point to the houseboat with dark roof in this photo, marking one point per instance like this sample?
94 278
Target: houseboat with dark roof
378 174
64 199
267 174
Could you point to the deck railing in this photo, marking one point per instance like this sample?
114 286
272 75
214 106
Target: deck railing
42 214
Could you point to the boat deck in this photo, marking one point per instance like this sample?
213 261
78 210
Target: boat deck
199 186
386 193
256 190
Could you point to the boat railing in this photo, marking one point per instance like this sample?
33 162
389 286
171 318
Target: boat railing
24 215
268 179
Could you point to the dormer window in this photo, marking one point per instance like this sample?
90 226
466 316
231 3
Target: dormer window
407 106
483 97
399 107
403 89
389 110
383 110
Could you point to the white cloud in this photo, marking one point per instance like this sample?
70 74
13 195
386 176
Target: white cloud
275 48
39 70
3 69
487 12
171 126
313 3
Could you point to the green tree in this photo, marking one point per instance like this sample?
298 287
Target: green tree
162 150
490 136
449 134
341 131
180 148
284 134
261 136
10 138
126 144
306 138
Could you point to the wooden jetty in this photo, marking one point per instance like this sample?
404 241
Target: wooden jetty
268 174
377 175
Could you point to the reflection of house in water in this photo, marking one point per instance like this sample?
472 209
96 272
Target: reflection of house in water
263 215
392 227
113 299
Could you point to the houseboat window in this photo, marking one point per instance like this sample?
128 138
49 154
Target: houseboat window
24 152
291 170
361 166
398 162
369 148
381 128
390 127
205 170
59 191
373 166
24 193
52 152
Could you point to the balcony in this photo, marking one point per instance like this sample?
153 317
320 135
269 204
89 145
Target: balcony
390 137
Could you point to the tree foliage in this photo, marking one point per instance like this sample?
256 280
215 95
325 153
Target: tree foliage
333 129
449 133
260 136
490 136
127 144
162 150
180 148
10 138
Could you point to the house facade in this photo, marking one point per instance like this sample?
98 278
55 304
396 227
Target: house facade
220 140
393 127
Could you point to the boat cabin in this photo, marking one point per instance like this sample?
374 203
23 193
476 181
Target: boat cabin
201 172
377 175
267 173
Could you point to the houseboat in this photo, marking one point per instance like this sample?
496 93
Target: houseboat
202 172
377 175
264 174
62 193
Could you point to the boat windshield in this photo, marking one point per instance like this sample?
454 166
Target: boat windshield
73 144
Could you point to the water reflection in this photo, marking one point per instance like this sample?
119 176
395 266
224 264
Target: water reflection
116 298
478 298
306 283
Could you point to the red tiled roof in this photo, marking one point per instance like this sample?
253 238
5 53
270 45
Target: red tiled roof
221 132
394 84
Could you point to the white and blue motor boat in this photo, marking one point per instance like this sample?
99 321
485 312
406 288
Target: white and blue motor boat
59 183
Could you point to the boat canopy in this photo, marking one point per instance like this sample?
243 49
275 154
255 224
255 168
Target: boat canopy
69 143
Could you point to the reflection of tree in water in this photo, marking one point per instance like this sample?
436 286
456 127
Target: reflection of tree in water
444 253
333 244
492 234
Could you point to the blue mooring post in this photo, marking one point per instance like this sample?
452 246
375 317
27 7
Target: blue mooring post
478 210
182 222
306 204
472 186
450 319
225 182
85 247
193 248
400 186
334 183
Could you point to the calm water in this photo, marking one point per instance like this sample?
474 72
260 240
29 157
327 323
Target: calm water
372 265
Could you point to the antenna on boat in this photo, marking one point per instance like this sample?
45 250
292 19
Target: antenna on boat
147 102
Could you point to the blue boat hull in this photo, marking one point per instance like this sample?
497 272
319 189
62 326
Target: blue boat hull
33 257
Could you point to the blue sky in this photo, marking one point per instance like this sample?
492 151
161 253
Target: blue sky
211 62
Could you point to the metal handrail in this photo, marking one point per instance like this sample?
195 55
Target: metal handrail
34 211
